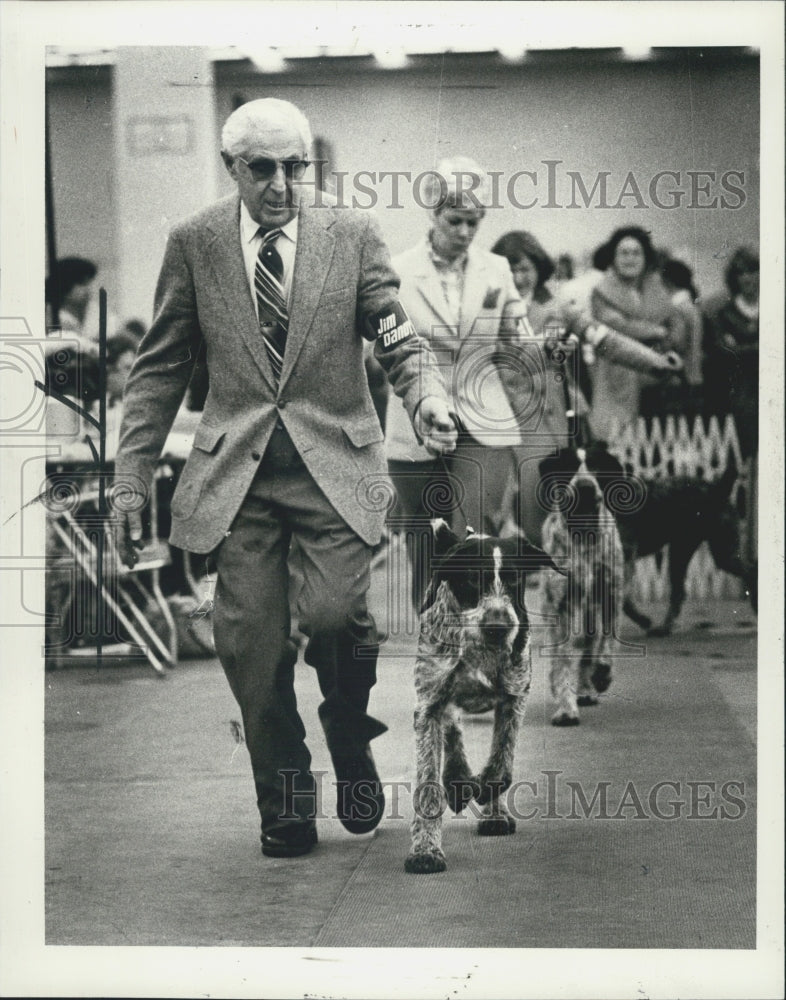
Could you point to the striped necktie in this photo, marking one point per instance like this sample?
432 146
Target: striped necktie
271 300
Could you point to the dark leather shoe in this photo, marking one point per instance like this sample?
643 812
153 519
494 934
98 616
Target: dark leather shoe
289 842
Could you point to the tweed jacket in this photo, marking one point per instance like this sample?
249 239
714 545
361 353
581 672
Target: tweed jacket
465 353
342 274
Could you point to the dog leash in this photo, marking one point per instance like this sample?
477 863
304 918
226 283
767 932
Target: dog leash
446 473
443 466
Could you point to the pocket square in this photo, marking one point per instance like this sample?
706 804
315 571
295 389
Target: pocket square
491 299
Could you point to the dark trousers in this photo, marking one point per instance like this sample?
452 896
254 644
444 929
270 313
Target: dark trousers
252 626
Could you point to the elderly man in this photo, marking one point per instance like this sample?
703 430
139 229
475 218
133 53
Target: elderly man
281 289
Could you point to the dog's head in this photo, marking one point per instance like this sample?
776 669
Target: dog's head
577 480
485 578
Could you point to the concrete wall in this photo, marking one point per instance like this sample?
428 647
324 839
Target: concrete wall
164 115
593 114
615 117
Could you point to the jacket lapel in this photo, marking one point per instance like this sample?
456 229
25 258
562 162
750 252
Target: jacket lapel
475 288
430 288
226 260
314 253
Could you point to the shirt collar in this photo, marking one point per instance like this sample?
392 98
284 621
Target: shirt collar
458 264
249 228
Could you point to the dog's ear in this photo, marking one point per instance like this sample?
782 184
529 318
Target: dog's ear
429 596
535 558
600 459
566 462
444 538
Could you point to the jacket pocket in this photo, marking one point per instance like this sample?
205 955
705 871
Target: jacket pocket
348 292
207 438
189 488
365 431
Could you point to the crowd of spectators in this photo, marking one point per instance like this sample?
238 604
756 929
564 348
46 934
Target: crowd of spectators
641 292
633 287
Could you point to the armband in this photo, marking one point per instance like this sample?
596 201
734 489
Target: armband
389 327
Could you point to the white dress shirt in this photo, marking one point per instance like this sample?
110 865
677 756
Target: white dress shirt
250 240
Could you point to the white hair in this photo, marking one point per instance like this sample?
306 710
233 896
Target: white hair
256 117
459 182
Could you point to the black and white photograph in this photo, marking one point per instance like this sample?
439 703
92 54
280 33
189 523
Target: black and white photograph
392 499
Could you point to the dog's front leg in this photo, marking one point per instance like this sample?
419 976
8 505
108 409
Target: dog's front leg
559 602
588 667
565 672
613 584
679 560
497 775
629 605
426 856
460 787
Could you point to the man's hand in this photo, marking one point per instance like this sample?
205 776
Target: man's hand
435 425
128 501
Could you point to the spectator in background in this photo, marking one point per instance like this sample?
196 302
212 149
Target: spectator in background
575 298
120 354
632 300
683 397
133 328
678 279
731 349
71 303
531 268
547 380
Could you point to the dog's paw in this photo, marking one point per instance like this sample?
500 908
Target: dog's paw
564 719
496 826
460 792
585 700
601 678
659 631
425 863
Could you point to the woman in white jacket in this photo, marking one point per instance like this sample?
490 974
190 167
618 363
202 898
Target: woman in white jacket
460 299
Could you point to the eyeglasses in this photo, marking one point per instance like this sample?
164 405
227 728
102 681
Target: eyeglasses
264 168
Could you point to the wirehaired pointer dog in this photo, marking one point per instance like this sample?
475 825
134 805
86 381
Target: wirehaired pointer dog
473 654
678 513
580 535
